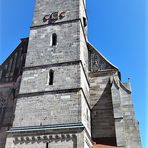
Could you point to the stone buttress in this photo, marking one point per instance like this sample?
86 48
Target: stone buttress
112 113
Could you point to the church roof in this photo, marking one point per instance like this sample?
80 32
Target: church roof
107 62
12 67
103 146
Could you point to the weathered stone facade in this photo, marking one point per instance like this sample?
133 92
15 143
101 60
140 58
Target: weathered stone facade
10 77
63 93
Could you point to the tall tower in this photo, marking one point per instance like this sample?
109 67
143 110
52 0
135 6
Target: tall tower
52 106
58 91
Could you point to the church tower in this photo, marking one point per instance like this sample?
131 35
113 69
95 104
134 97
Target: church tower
52 108
58 91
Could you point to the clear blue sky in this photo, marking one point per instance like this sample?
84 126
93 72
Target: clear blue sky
117 28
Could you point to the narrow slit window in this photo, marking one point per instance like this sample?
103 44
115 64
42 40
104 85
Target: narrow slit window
87 116
46 145
84 22
54 39
51 77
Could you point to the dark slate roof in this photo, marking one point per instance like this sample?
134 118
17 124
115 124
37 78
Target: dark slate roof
12 67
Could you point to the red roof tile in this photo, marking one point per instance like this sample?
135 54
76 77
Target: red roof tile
103 146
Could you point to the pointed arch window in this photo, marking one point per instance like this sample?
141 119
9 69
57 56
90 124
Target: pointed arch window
51 77
54 39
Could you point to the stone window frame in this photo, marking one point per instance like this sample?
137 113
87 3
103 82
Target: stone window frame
50 77
47 145
53 41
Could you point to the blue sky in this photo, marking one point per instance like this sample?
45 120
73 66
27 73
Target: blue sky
117 28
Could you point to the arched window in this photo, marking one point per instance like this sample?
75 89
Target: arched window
51 77
54 39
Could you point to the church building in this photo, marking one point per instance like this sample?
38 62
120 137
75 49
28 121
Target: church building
58 91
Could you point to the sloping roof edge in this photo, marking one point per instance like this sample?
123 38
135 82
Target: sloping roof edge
91 47
125 88
115 84
21 40
121 85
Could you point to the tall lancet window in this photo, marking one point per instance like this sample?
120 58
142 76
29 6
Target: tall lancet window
51 77
54 39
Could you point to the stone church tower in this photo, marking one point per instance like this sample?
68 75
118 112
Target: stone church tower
58 91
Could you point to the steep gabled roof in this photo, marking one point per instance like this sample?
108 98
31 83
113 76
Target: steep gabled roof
12 67
98 60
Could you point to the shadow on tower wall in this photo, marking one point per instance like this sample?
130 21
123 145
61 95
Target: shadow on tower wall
103 124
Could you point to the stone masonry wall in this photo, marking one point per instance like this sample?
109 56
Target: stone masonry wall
70 138
101 106
3 136
67 48
83 50
85 114
84 84
7 107
130 124
83 16
45 7
47 109
37 80
126 126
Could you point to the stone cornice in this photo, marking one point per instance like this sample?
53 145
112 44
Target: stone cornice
45 128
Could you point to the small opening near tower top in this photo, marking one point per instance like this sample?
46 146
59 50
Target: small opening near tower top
46 145
54 39
84 22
